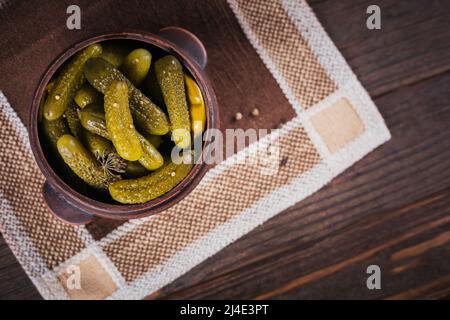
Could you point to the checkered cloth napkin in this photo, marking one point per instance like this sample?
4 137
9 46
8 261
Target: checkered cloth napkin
335 125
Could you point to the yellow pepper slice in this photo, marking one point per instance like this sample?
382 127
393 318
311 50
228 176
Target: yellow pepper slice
196 105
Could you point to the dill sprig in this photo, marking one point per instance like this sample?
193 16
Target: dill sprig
112 165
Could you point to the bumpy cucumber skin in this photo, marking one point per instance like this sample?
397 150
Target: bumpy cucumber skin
72 119
152 89
114 53
96 144
106 154
146 114
135 170
196 106
154 140
119 121
87 95
47 89
151 159
93 120
50 86
69 81
53 130
136 65
141 190
169 73
81 161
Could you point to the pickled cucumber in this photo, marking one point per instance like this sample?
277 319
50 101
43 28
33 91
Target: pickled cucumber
169 73
136 65
151 159
104 152
72 120
43 99
69 81
196 106
105 129
50 86
82 162
152 88
114 53
134 170
149 187
154 140
53 130
119 121
97 145
87 95
146 114
92 119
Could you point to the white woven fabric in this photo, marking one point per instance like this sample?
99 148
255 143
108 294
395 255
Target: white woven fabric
320 159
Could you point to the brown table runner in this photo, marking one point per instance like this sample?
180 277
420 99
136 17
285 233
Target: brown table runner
298 80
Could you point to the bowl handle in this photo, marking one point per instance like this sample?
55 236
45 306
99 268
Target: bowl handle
188 42
62 209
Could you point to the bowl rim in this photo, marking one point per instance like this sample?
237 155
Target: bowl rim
123 211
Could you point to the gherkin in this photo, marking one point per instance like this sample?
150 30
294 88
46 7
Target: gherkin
149 187
53 130
147 116
68 82
87 95
151 159
169 73
82 162
119 121
72 120
92 119
136 65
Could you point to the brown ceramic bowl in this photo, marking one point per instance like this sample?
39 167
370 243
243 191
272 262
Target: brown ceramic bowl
74 207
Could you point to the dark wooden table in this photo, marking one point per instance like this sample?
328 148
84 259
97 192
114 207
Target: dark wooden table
391 209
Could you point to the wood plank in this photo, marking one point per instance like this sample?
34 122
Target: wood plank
230 55
404 184
320 247
359 219
14 283
412 45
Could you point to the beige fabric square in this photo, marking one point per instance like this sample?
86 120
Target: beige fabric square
338 125
208 206
21 191
95 281
308 69
288 50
